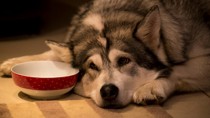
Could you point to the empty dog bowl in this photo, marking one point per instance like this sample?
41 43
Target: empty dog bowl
44 79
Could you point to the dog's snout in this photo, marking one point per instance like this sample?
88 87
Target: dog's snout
109 92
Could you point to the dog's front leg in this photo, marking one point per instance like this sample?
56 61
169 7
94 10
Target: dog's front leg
5 67
58 52
154 92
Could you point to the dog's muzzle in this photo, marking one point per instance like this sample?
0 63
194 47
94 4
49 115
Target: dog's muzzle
109 92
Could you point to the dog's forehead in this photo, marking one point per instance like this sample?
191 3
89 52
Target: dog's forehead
110 26
101 35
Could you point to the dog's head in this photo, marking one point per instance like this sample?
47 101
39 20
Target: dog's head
116 56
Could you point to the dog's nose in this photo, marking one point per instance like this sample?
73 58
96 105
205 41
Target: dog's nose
109 92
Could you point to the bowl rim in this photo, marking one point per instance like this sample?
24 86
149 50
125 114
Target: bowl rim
70 75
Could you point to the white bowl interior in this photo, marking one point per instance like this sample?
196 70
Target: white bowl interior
44 69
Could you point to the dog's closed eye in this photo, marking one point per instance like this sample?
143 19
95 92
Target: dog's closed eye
123 61
93 66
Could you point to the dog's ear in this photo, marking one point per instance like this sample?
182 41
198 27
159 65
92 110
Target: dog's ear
60 50
148 30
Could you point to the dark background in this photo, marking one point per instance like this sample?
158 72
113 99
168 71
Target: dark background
31 17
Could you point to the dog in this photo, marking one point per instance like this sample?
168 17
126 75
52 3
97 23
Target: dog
134 51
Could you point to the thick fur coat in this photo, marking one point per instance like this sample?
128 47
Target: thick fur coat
135 50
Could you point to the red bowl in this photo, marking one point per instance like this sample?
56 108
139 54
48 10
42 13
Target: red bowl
44 79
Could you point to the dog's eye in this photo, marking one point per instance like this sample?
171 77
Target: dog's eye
93 66
123 61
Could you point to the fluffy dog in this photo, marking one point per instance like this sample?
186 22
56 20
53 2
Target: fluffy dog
135 50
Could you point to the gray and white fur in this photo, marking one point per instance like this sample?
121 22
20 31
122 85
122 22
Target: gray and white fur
135 50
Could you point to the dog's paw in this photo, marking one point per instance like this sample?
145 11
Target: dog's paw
5 67
150 93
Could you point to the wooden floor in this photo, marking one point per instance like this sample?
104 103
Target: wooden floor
192 105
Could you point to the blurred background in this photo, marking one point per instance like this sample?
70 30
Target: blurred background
28 17
26 24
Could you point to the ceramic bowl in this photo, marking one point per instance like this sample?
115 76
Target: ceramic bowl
44 79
